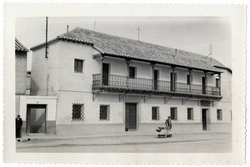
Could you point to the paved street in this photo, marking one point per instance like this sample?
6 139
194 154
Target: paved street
148 143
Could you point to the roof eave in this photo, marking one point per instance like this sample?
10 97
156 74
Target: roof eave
60 38
159 62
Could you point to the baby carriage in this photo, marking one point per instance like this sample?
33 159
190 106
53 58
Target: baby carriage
163 132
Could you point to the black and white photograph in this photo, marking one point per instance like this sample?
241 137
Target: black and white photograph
123 84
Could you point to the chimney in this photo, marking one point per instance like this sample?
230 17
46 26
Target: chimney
175 53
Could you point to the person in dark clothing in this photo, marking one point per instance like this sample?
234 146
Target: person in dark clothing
19 123
168 125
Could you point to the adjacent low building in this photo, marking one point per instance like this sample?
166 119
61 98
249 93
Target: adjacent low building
104 84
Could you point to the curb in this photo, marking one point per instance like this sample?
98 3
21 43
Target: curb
55 137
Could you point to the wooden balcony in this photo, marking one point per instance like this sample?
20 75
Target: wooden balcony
123 84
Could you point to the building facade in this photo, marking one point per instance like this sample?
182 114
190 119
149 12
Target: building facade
105 84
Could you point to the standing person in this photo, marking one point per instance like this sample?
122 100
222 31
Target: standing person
19 123
168 125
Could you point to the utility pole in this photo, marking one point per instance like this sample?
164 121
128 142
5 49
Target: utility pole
211 51
46 39
138 29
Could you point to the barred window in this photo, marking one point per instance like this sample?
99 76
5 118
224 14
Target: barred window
173 113
190 114
78 112
78 66
104 112
219 114
155 113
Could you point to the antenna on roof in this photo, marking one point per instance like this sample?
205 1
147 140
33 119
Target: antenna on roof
210 51
138 29
94 25
46 39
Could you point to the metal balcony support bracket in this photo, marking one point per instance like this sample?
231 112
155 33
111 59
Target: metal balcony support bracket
166 99
95 94
214 102
184 100
146 98
121 96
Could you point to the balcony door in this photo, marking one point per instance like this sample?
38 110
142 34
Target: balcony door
130 116
105 74
203 85
173 78
156 73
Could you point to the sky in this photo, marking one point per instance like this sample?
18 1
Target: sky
194 34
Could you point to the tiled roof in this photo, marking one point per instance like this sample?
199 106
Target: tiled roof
128 48
19 46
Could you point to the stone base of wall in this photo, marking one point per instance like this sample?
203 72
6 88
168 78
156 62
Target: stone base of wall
50 129
147 128
89 129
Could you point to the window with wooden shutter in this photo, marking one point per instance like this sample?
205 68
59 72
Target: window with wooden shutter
78 66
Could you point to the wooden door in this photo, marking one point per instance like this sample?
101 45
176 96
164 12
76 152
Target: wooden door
173 78
203 85
130 116
155 79
204 119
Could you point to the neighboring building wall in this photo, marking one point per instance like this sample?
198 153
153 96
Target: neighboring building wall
21 71
45 71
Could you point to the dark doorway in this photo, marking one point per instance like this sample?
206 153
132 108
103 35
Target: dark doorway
105 73
130 116
36 119
156 72
173 78
203 85
204 119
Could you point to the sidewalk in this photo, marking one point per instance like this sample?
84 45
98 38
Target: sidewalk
58 137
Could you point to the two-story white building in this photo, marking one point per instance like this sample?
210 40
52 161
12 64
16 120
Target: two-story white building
108 84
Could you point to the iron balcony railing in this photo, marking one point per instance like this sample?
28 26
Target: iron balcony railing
110 80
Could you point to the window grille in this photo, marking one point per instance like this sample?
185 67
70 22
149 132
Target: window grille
219 114
104 112
190 114
78 112
78 66
155 113
173 113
